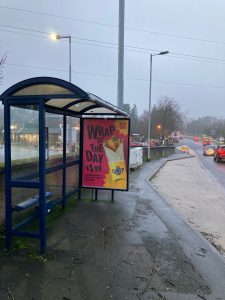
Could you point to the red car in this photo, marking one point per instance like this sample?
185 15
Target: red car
219 153
206 141
196 139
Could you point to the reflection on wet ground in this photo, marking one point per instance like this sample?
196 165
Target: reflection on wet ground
169 259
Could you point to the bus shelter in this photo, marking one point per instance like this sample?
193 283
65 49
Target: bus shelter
58 139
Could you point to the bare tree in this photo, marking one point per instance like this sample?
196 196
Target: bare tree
133 114
209 125
166 117
2 63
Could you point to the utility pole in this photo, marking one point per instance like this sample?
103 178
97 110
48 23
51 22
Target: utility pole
120 83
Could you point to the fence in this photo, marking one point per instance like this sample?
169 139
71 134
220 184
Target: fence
158 152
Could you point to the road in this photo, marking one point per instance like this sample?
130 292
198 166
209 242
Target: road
215 169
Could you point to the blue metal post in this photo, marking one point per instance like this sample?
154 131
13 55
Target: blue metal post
42 212
8 196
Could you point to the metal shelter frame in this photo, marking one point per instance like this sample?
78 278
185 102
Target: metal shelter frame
51 95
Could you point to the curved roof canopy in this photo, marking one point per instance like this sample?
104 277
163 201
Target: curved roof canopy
61 95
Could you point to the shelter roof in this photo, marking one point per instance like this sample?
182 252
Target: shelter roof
61 95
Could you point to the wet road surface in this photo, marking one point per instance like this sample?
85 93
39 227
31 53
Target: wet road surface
217 170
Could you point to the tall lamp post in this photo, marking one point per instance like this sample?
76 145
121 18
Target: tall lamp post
59 37
150 99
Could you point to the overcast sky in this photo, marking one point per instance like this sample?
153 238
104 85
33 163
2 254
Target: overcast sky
192 30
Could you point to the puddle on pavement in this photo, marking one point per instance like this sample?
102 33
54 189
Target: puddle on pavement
171 263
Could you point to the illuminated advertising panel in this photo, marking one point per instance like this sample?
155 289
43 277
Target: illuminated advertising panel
105 153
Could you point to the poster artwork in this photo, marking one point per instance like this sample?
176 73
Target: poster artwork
105 153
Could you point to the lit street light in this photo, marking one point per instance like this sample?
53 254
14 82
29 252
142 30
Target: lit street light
55 36
150 96
159 126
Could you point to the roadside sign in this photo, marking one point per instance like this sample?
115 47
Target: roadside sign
105 153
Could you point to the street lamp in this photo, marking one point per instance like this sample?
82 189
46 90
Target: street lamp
150 96
56 36
59 37
159 126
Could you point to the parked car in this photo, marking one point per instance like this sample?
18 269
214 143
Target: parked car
219 153
209 150
136 144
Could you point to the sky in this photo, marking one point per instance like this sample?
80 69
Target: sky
193 31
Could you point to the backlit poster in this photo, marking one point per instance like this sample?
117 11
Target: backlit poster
105 153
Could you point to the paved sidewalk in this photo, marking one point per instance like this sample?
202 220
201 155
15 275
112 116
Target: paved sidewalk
196 195
135 248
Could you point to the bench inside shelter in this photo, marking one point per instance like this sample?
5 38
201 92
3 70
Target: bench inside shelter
30 202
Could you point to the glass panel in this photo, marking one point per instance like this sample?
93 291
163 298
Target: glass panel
24 133
54 130
54 182
72 138
59 102
79 106
72 178
42 89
